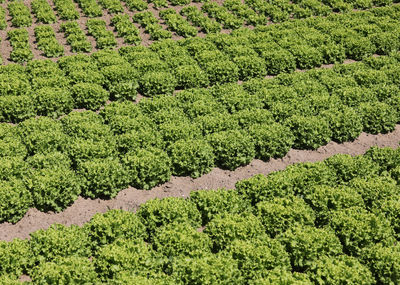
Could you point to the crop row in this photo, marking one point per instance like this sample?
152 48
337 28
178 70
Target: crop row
66 9
232 14
219 59
301 44
176 23
273 49
21 50
90 8
244 12
126 29
281 11
20 14
199 19
96 155
43 11
330 222
98 29
76 38
112 6
222 15
3 22
47 42
151 25
135 5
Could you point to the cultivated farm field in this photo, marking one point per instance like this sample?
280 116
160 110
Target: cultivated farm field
199 142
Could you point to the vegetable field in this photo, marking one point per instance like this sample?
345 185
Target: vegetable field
100 97
329 222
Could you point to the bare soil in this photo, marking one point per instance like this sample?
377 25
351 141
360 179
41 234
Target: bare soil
130 199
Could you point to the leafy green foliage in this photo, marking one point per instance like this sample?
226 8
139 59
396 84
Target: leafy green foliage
341 269
347 167
209 269
42 135
16 108
98 29
390 208
278 61
112 6
90 8
190 76
306 244
386 157
47 42
211 203
306 57
191 157
76 38
21 16
81 149
19 40
375 190
271 140
48 160
324 200
147 167
15 257
358 229
250 67
281 214
378 117
10 143
383 261
53 189
15 200
345 124
177 23
43 11
283 276
126 29
222 71
59 241
222 15
214 123
66 9
12 167
259 188
53 102
223 229
156 213
157 83
126 255
3 22
145 278
102 177
89 95
196 17
309 132
181 239
65 270
105 228
232 148
257 256
87 125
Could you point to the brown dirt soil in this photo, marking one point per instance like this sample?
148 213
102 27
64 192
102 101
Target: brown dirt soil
130 199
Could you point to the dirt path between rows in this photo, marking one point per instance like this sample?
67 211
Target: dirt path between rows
130 199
